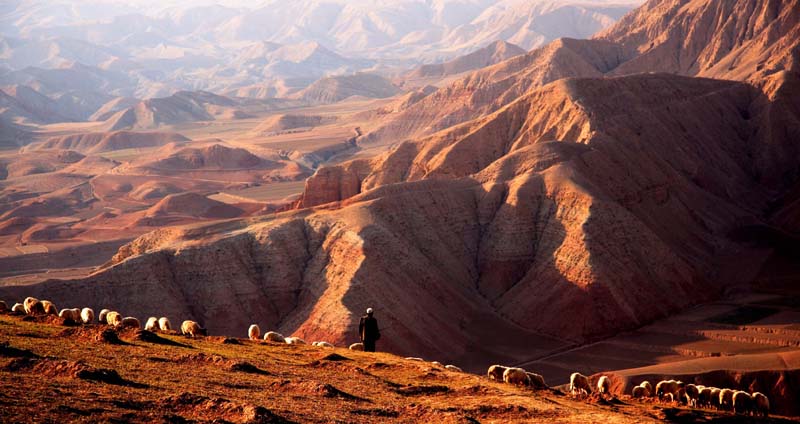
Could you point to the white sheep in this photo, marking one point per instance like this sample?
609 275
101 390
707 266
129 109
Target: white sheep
667 386
193 329
726 399
70 314
49 307
742 402
603 385
254 332
414 358
578 383
151 324
537 381
87 315
130 322
164 324
453 368
33 306
437 363
322 344
274 336
114 318
357 346
295 341
495 372
3 306
18 308
101 317
760 404
516 376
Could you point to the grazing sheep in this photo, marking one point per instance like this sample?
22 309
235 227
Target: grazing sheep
357 346
130 322
192 329
151 324
322 344
760 404
726 399
537 381
18 308
276 337
254 332
70 314
295 341
113 318
704 397
742 402
414 358
101 318
495 372
638 392
3 306
437 363
453 368
49 308
692 394
33 306
667 386
579 382
87 315
164 324
715 398
516 376
669 398
603 385
646 384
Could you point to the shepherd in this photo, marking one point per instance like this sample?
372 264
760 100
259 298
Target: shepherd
368 331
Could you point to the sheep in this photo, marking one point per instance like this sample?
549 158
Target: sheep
357 346
649 387
603 385
295 341
70 314
192 329
579 382
414 358
164 324
151 324
726 399
516 376
254 332
704 397
33 306
537 381
742 402
692 394
669 398
715 398
278 337
87 315
638 392
3 306
495 372
760 404
667 386
114 318
18 308
102 316
453 368
130 322
322 344
437 363
49 308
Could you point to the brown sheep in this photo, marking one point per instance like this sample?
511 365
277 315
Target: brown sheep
49 308
760 404
537 381
742 402
33 306
495 372
639 392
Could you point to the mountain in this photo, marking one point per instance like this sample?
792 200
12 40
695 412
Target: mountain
489 55
335 89
90 143
183 106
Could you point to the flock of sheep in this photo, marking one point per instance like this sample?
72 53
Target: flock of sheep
696 396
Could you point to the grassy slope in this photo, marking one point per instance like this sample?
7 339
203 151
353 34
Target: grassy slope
197 379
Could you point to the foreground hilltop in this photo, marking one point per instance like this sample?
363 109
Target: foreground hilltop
49 372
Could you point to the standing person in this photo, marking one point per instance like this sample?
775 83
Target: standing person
368 331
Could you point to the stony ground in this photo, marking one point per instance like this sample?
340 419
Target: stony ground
55 373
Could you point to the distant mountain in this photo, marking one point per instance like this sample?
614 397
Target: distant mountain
334 89
489 55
